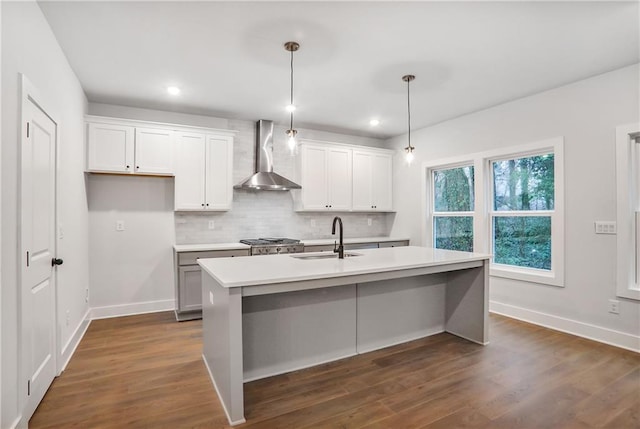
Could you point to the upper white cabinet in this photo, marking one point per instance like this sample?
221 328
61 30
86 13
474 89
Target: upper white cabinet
343 177
110 148
372 181
204 166
324 172
123 148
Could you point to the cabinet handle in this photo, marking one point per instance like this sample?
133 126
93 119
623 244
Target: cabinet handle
202 204
128 167
137 167
207 204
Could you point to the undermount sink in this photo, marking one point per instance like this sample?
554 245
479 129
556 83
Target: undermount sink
324 256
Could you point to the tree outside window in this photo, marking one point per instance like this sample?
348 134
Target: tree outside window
453 202
523 204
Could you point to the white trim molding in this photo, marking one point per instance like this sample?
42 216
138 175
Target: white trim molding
132 309
627 180
70 347
569 326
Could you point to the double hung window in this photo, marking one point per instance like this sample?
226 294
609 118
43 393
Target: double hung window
507 202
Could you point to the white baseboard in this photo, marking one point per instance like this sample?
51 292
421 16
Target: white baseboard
72 344
581 329
132 309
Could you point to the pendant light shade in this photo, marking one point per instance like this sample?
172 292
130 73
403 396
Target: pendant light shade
409 156
291 132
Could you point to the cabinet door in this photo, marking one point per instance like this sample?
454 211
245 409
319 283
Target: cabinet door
339 178
154 151
219 158
314 178
362 186
110 148
381 180
190 172
190 287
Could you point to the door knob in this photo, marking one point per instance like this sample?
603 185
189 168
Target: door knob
56 261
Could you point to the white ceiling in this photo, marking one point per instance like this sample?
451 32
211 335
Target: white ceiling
228 58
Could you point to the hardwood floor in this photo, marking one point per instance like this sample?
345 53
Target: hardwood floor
146 372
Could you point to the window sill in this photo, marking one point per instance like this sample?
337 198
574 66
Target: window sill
532 275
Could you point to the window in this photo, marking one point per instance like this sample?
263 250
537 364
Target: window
453 202
522 206
507 202
628 211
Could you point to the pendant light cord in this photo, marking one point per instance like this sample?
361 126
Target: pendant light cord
291 122
409 113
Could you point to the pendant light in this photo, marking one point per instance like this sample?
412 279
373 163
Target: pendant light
291 133
409 149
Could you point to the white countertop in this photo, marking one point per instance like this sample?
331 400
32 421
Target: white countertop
239 246
271 269
206 247
325 241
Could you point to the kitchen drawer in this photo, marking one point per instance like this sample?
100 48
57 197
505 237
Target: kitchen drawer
319 248
190 258
393 243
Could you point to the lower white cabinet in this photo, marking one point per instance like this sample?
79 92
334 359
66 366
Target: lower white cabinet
203 172
188 280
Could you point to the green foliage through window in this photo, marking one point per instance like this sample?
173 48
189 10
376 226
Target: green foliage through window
453 193
453 233
523 241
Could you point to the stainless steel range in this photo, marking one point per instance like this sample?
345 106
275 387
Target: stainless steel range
273 246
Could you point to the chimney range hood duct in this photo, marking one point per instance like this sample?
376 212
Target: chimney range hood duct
264 179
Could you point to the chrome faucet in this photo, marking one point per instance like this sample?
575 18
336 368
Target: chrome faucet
338 249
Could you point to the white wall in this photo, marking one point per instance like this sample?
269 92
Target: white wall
29 47
586 114
132 271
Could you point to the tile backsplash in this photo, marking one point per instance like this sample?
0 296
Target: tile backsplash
271 214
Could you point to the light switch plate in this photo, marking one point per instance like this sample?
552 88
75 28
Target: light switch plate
607 227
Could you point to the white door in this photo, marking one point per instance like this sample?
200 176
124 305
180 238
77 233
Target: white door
154 151
381 181
38 310
314 178
219 156
362 187
190 172
339 179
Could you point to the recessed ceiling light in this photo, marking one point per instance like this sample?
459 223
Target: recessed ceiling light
374 122
173 90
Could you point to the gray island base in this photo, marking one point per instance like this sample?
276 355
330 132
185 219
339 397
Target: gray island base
269 315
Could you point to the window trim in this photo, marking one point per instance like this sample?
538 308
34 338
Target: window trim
627 243
482 239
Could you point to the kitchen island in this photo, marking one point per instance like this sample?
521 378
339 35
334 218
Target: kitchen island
272 314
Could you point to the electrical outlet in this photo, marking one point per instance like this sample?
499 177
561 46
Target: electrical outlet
210 297
614 306
60 232
605 227
86 295
119 225
313 223
68 317
212 224
369 221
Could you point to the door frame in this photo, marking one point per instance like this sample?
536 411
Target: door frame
29 93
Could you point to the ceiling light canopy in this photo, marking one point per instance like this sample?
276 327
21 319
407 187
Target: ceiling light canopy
291 132
409 156
173 90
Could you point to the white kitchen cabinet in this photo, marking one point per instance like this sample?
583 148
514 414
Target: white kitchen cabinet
325 178
372 181
154 151
204 164
110 148
121 148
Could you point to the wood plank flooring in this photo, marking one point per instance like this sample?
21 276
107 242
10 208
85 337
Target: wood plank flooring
146 372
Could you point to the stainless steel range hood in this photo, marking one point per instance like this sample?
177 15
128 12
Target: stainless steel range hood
264 179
